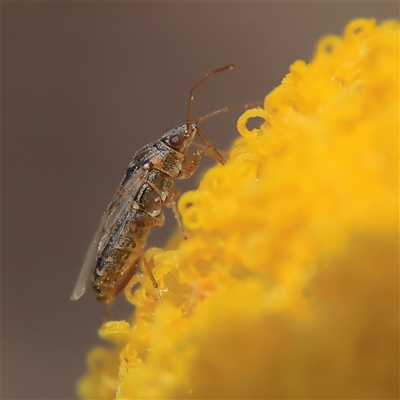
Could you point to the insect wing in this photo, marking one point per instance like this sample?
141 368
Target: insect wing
121 204
118 209
86 270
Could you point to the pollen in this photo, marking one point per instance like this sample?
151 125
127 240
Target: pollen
287 286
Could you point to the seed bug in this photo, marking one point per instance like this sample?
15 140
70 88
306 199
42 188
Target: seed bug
118 244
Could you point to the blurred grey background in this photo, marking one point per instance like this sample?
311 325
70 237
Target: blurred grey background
84 85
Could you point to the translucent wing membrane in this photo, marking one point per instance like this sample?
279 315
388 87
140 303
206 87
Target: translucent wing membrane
118 209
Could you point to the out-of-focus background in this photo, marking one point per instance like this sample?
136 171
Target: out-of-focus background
84 85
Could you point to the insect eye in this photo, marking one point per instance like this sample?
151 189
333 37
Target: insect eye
176 140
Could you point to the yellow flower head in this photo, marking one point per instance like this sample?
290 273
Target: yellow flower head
288 284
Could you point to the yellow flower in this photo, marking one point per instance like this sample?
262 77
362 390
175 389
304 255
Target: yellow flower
288 284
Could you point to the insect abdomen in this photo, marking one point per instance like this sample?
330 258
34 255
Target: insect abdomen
117 263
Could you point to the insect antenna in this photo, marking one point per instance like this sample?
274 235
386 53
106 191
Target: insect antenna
215 152
205 77
227 109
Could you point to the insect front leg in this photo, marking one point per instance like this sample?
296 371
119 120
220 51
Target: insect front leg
208 152
190 166
211 150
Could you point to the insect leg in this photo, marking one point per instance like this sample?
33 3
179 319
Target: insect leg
171 202
127 278
145 223
147 266
205 150
214 152
190 165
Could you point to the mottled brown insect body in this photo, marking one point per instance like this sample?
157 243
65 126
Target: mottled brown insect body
162 162
148 185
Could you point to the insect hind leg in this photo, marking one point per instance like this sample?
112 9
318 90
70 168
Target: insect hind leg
127 277
148 269
136 227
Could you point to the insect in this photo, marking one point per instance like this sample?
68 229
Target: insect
148 185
